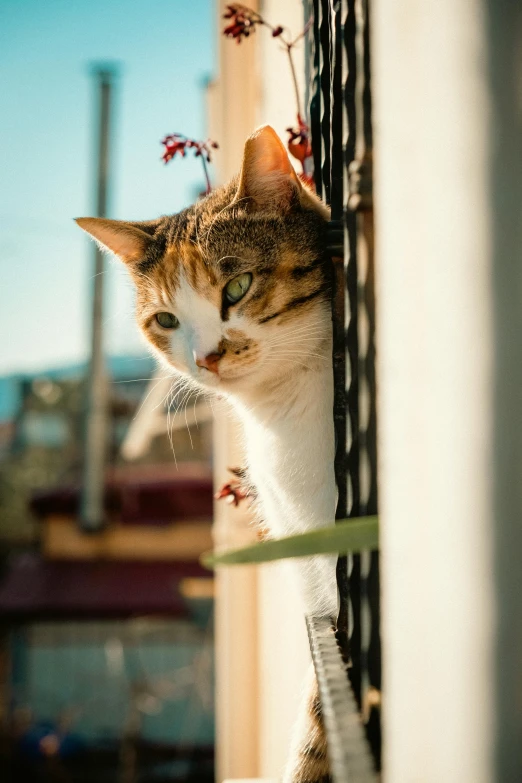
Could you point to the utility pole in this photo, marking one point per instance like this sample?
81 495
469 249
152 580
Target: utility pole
95 446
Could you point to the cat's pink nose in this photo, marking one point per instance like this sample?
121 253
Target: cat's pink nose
209 362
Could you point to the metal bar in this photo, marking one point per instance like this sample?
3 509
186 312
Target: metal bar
373 661
342 106
92 510
360 199
350 254
351 327
336 193
367 93
348 751
314 90
336 106
324 78
339 413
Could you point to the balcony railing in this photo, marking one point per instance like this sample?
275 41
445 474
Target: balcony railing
339 94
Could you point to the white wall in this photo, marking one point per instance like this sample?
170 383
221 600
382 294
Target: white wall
277 102
448 186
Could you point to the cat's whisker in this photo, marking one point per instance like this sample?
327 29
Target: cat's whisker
211 403
135 380
183 386
297 362
287 363
306 344
163 402
240 258
169 433
296 342
284 358
269 363
148 395
196 228
136 359
306 327
212 223
198 395
304 330
295 348
231 204
301 348
118 314
194 411
300 334
103 272
307 354
173 393
185 403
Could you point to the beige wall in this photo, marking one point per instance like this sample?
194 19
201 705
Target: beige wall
232 110
261 647
233 97
62 540
283 643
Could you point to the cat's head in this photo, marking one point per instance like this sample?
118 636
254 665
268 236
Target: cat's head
234 291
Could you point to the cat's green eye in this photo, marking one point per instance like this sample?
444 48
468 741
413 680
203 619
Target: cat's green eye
237 288
167 320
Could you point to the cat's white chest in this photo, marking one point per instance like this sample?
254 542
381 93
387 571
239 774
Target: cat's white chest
290 454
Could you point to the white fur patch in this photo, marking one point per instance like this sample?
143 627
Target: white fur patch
200 322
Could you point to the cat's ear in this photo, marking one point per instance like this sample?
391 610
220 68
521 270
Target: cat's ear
267 176
129 241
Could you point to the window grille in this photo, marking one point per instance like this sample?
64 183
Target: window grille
339 93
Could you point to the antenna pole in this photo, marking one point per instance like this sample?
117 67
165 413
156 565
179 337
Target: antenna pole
92 515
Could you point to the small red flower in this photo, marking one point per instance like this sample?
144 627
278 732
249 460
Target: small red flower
173 144
243 21
236 490
177 143
232 493
299 142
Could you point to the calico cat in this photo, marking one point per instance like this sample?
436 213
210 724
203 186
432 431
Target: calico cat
234 294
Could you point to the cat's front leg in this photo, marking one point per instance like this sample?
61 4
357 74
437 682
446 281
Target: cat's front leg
290 453
237 489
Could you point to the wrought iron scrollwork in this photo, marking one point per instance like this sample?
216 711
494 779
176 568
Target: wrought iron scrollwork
341 131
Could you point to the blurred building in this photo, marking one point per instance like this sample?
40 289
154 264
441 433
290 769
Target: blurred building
41 432
107 642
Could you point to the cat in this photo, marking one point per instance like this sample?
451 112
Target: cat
234 293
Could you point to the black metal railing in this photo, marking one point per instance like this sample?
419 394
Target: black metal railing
339 93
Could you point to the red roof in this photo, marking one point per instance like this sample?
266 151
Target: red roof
41 589
142 495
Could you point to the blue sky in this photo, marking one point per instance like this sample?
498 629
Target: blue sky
165 51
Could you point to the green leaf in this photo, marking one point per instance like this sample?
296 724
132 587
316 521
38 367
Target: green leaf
348 535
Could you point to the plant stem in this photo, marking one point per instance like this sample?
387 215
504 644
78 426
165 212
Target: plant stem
205 171
289 46
294 78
